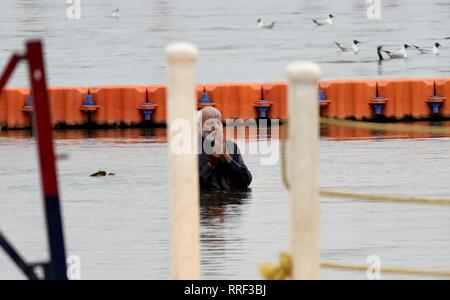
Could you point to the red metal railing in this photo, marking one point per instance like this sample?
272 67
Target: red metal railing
56 268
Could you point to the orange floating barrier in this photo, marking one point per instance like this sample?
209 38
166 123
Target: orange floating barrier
65 103
348 99
276 93
14 110
235 100
133 105
118 104
406 97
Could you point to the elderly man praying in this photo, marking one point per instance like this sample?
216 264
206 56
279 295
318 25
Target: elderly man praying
221 166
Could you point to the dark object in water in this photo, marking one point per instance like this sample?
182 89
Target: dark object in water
99 174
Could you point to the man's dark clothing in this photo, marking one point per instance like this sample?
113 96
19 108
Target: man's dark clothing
223 175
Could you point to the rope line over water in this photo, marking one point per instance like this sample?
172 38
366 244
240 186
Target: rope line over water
400 271
384 198
283 270
371 197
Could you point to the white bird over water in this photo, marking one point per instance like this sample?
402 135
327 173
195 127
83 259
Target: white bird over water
327 21
265 26
116 13
353 48
393 55
434 49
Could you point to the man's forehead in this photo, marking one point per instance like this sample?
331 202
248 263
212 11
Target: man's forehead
211 120
210 113
210 116
213 117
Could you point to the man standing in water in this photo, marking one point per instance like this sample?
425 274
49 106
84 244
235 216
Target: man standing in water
221 166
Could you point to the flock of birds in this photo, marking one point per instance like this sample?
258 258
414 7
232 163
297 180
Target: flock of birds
382 53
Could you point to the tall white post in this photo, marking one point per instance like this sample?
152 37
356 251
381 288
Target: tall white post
184 186
303 154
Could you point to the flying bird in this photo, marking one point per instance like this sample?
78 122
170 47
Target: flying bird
115 13
354 46
393 54
265 26
327 21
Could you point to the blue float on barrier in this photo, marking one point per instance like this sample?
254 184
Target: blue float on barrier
263 106
89 105
378 103
28 106
147 109
323 101
205 101
436 103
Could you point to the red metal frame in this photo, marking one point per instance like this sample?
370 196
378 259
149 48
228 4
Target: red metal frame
56 269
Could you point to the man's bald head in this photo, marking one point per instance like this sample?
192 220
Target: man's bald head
209 118
209 112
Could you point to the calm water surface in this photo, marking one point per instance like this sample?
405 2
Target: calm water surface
99 49
119 225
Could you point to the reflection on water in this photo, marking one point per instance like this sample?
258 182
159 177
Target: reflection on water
245 133
349 133
215 206
219 210
155 134
120 225
214 203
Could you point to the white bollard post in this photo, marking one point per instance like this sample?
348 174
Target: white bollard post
304 169
183 159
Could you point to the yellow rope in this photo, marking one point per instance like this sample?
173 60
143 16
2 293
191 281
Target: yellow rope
364 197
283 270
384 127
280 271
400 271
367 197
384 198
